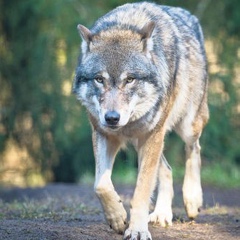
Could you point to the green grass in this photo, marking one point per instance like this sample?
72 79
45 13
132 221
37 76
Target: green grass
221 175
215 174
122 175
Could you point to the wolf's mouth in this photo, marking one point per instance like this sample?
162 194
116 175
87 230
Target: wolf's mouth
112 127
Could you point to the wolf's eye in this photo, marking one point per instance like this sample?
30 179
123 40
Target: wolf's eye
130 79
99 79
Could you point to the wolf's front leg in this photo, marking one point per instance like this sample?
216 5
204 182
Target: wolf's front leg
105 151
149 152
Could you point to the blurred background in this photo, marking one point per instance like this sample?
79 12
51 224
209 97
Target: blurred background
44 132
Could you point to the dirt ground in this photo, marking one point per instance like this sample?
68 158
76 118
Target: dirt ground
67 212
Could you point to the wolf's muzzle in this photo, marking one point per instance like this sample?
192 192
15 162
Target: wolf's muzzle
112 118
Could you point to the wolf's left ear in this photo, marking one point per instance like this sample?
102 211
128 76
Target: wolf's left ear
86 36
147 30
146 34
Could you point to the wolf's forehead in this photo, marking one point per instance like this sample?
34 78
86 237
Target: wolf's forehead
116 76
121 76
116 39
117 66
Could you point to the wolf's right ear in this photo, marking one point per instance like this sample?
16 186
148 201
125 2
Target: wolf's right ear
85 33
86 36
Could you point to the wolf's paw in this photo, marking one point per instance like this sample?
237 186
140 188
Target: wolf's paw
118 222
136 235
192 209
164 218
114 211
193 203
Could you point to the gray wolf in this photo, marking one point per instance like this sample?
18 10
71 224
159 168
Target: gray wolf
142 72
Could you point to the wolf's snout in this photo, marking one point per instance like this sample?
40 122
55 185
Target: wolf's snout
112 117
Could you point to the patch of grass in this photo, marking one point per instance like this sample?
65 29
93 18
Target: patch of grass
48 208
215 174
125 175
217 209
222 175
121 175
87 178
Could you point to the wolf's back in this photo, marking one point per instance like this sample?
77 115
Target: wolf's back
134 16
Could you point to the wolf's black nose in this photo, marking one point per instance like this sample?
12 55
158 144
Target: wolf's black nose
112 117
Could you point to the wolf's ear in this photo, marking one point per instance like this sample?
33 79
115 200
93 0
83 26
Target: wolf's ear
147 30
86 36
146 34
85 33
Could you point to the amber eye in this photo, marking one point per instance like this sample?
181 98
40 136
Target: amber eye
130 79
99 79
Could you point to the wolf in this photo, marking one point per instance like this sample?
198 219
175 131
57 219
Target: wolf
142 72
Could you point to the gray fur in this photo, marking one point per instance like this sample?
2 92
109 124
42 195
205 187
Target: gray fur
146 64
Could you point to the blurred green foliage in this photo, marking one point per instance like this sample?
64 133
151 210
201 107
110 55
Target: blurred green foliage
39 47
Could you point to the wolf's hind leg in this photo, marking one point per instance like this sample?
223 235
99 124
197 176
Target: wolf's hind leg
190 130
163 210
105 151
192 190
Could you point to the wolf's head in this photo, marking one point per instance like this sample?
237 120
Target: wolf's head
117 79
